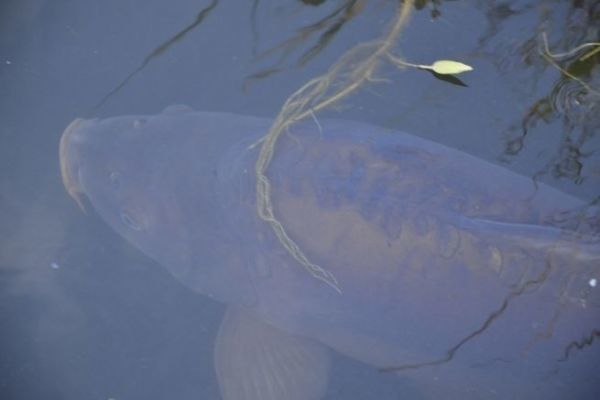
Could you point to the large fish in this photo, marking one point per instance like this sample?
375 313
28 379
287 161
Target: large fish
469 279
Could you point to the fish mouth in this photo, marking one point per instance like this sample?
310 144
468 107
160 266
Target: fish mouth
69 163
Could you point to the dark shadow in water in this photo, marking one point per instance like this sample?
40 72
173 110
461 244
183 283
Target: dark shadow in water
494 315
497 15
313 2
451 79
325 28
580 344
157 52
526 287
574 98
265 73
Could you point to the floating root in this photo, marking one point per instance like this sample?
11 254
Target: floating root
348 74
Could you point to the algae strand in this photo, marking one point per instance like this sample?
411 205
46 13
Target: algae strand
348 74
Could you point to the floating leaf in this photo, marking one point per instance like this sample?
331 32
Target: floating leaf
449 67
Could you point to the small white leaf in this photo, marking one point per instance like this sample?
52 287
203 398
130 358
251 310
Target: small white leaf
449 67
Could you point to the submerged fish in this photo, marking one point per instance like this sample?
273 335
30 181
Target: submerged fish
460 275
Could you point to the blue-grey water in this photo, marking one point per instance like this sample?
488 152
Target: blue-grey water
84 315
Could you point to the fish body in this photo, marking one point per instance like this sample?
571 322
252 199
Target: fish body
471 280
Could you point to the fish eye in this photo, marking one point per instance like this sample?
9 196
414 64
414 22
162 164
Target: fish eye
130 222
138 123
115 179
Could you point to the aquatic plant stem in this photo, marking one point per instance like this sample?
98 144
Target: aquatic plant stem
306 101
548 56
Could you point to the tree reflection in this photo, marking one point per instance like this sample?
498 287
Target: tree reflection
573 100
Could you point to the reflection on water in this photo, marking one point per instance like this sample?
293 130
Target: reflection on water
572 100
159 50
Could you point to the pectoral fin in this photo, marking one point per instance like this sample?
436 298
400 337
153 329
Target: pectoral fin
256 361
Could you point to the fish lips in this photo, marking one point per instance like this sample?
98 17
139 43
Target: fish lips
69 159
